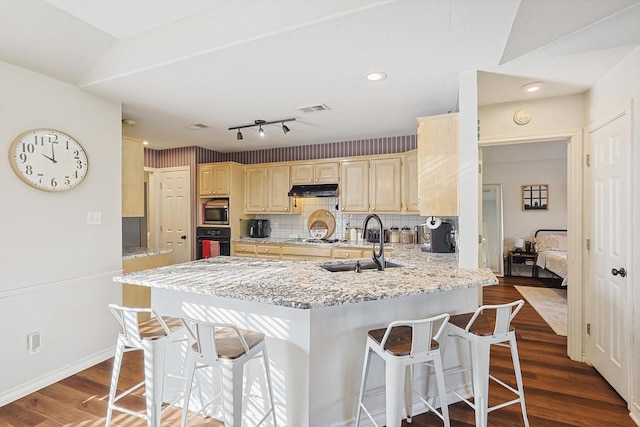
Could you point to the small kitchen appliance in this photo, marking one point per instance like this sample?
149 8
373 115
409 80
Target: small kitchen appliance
215 212
259 228
442 240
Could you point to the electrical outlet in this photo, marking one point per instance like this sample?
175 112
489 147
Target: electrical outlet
34 343
274 225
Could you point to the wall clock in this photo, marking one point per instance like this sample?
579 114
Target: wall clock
48 160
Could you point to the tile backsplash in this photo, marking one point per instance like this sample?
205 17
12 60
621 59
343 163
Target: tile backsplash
291 226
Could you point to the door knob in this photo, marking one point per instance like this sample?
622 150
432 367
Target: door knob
622 272
183 237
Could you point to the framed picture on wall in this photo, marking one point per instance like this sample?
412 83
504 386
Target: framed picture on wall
535 197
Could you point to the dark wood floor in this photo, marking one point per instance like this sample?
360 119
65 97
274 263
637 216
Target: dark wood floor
558 391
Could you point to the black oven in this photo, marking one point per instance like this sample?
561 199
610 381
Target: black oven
206 234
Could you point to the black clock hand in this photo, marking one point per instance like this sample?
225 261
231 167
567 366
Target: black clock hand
53 160
53 153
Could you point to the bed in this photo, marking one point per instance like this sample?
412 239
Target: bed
551 248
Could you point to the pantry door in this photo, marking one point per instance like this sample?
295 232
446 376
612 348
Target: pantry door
175 190
609 285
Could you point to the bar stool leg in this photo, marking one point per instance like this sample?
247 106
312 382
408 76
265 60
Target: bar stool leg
191 365
480 368
115 375
363 383
232 394
442 390
408 391
516 367
267 370
394 376
154 379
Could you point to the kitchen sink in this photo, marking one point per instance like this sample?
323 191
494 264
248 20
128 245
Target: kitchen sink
351 266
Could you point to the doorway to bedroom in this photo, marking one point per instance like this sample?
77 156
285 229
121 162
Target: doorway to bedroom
531 179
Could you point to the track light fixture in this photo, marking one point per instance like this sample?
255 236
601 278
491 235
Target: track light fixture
259 124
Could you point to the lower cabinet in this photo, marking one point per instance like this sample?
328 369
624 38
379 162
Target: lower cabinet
140 296
293 252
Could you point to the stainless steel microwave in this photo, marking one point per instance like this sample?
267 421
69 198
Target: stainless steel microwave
215 212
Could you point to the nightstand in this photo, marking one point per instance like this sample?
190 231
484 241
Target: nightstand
522 259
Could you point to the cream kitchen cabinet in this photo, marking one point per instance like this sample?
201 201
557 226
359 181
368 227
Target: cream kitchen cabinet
267 189
385 184
315 173
243 249
132 178
214 179
303 252
410 182
438 165
371 185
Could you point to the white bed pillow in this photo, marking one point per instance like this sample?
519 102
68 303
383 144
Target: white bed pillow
551 242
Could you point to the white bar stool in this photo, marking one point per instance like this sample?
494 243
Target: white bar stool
401 345
229 348
481 332
151 336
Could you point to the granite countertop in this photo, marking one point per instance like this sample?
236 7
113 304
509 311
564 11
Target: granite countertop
141 252
305 285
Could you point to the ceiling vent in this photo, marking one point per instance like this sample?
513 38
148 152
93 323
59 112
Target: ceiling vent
313 108
197 126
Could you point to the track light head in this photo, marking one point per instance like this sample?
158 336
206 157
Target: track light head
261 132
285 128
239 135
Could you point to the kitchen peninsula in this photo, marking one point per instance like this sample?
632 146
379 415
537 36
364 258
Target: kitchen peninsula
316 321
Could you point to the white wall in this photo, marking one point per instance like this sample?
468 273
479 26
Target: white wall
523 164
55 270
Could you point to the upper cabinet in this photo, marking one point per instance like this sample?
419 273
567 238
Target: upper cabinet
214 179
410 182
371 185
132 178
438 165
315 173
385 184
267 189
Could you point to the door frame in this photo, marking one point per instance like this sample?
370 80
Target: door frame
576 328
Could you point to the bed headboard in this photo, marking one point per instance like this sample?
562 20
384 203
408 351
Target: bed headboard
549 231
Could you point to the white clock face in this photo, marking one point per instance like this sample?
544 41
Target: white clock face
48 160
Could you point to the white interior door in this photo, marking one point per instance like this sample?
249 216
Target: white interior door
608 290
175 190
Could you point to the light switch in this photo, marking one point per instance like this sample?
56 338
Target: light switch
94 218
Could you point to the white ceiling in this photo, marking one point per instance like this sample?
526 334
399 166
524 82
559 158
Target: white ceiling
225 63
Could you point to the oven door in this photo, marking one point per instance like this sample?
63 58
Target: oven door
224 243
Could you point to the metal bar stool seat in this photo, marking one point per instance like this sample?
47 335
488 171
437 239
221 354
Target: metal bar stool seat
482 331
401 345
229 348
151 336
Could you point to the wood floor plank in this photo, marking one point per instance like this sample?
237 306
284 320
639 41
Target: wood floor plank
559 392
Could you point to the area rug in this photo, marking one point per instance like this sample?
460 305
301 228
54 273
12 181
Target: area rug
551 305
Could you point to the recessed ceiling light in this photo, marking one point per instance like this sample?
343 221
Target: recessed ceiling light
532 87
145 142
376 76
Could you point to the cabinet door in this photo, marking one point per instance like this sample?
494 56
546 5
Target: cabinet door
354 188
132 178
302 173
221 179
438 165
278 198
410 183
205 179
327 172
385 183
255 190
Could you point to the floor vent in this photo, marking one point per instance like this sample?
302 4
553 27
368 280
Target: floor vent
313 108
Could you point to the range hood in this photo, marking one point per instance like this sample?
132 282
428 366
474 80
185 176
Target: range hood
314 190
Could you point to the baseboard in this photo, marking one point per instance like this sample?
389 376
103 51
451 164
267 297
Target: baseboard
55 376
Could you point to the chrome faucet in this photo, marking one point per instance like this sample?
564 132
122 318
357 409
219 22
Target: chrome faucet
378 258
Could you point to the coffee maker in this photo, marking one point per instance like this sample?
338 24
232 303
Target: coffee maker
259 228
442 240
